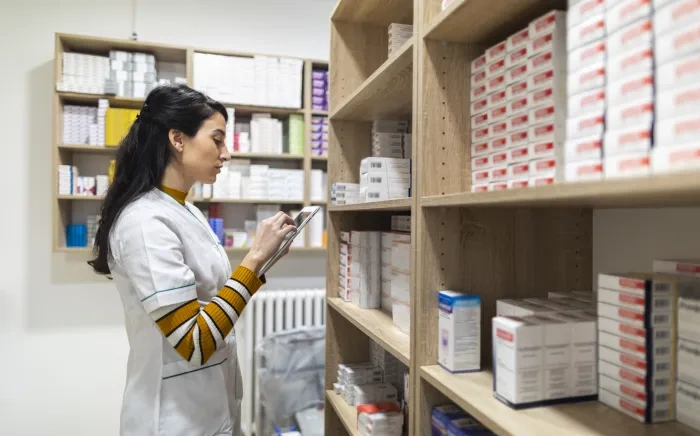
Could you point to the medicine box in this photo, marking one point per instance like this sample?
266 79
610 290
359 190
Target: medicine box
638 113
648 400
636 61
584 10
627 165
682 157
517 40
678 42
677 102
547 23
478 64
583 149
518 56
460 332
496 52
626 12
678 130
626 141
594 52
688 357
441 417
637 34
688 404
683 267
632 409
678 73
586 32
592 76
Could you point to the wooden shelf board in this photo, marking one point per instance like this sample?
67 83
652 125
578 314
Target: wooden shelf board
85 250
403 204
267 156
97 149
102 46
245 109
346 412
386 93
486 21
91 99
244 201
319 112
80 197
319 202
377 325
380 12
319 158
681 189
474 393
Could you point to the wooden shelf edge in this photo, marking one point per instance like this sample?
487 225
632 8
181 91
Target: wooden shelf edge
396 63
474 394
80 197
443 16
380 328
402 204
346 413
267 156
243 201
680 189
101 149
227 249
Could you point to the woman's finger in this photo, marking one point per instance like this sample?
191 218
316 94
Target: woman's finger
285 230
283 219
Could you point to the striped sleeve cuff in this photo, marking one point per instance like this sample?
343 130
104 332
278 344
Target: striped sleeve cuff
246 278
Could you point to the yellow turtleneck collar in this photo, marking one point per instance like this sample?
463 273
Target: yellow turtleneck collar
179 196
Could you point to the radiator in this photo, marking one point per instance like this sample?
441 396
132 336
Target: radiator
269 312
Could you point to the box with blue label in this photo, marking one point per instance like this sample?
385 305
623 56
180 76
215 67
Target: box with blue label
467 426
459 331
441 417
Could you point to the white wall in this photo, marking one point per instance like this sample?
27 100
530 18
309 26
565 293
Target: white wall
61 328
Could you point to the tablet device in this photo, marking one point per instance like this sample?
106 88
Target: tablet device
302 218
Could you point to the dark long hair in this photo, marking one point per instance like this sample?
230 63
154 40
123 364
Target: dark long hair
144 153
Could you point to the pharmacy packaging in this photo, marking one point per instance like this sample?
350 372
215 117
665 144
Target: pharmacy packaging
636 61
634 139
387 239
689 314
683 267
517 73
496 52
479 106
627 165
484 187
688 404
677 73
677 102
493 69
677 14
459 331
383 423
478 92
479 78
519 308
467 426
389 166
583 352
583 10
518 89
518 122
478 64
400 281
441 417
541 181
497 99
678 42
373 393
517 105
543 149
518 40
586 32
632 409
498 144
518 56
592 76
630 88
594 52
626 12
677 130
633 114
498 186
496 114
586 148
552 21
688 357
496 83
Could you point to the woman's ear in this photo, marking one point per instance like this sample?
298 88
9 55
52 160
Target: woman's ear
176 138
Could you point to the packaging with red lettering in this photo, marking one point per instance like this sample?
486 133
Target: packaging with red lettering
542 149
677 14
628 140
518 138
480 120
636 113
587 102
478 78
517 56
677 102
478 64
680 72
517 105
626 12
547 114
636 61
517 89
498 113
551 21
481 162
499 143
480 188
517 73
592 53
480 148
549 95
627 165
591 30
637 34
585 148
684 157
495 52
677 43
519 154
517 40
495 68
631 88
678 130
587 78
584 10
592 124
518 122
480 105
584 170
499 128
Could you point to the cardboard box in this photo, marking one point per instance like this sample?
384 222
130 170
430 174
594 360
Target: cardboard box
460 332
547 78
517 56
637 61
677 14
678 130
516 90
687 404
635 35
481 134
547 23
586 32
544 167
592 124
498 186
584 10
632 409
677 102
649 400
496 83
498 143
518 122
480 188
498 128
481 162
583 352
480 120
546 132
479 78
543 149
541 181
478 92
677 73
517 73
478 64
587 102
593 53
642 317
519 171
549 95
499 173
498 113
585 79
628 140
627 165
495 68
547 114
677 43
584 149
480 148
518 40
518 138
519 154
496 52
650 369
584 170
618 328
500 158
637 348
479 106
553 41
481 177
626 12
517 105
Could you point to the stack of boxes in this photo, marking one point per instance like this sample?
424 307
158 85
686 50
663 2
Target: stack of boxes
391 139
319 90
637 344
365 269
383 178
131 74
171 72
449 419
84 73
266 134
387 246
529 336
285 184
401 280
345 193
117 124
398 35
319 136
518 91
319 185
241 180
93 222
85 124
677 48
230 129
257 184
383 419
392 369
70 182
344 270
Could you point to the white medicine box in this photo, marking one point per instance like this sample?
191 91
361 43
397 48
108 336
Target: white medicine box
459 332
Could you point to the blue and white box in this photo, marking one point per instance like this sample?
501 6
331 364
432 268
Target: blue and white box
459 332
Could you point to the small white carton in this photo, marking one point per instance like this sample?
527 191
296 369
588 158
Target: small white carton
592 124
677 43
649 400
584 171
480 177
516 90
553 41
518 183
632 409
587 78
478 64
478 92
498 186
635 113
498 113
636 61
498 98
677 14
479 106
635 87
637 34
480 148
546 78
636 164
544 167
584 10
582 149
643 317
500 158
683 157
678 73
541 181
678 130
554 94
637 348
495 52
518 121
677 102
479 78
517 40
499 143
584 357
517 73
519 154
543 149
518 138
627 140
626 12
547 23
517 56
519 171
495 68
591 53
496 83
460 332
481 162
586 32
683 267
480 120
688 405
517 105
547 114
688 357
481 134
498 128
556 357
518 360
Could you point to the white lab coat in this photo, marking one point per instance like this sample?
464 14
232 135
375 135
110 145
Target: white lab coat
165 253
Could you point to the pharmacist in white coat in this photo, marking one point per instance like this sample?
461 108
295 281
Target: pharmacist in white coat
181 296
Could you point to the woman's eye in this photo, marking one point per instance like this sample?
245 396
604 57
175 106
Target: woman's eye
218 142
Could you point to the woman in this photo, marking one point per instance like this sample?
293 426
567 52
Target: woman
181 298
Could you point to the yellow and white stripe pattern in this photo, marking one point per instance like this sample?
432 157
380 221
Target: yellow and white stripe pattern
197 333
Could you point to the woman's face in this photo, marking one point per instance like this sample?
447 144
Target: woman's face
204 154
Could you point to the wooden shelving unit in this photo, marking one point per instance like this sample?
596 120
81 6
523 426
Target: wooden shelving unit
68 154
505 244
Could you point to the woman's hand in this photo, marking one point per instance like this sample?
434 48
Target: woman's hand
269 237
